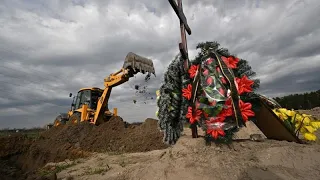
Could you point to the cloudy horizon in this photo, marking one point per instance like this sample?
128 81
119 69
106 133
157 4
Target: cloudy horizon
51 48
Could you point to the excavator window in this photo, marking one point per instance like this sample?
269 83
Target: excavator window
94 98
85 97
82 98
77 103
89 97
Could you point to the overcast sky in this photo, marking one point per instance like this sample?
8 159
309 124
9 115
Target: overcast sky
50 48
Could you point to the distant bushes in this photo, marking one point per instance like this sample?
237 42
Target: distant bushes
23 130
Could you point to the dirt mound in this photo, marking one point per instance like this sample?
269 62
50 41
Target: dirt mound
112 136
115 135
71 142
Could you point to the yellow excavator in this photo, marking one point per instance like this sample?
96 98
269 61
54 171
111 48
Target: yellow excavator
91 104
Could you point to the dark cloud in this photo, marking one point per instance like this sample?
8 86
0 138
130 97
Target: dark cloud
296 82
51 48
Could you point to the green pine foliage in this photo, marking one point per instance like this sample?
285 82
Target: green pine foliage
172 107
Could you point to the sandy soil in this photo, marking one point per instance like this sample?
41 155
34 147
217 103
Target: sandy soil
314 112
21 157
191 159
116 151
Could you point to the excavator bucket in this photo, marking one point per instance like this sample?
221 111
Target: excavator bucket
138 64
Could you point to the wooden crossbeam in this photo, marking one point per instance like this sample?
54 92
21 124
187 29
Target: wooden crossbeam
179 11
183 28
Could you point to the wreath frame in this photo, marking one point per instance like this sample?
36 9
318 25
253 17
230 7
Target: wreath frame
219 126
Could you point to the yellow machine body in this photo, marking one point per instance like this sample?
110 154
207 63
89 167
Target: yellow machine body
91 104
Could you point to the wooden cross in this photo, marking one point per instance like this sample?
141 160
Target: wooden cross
184 52
183 28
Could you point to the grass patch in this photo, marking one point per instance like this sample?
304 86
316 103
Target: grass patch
112 153
55 168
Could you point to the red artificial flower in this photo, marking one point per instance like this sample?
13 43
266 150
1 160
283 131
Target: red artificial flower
228 102
244 84
214 125
246 111
193 70
227 111
186 92
205 114
209 80
193 117
209 61
205 72
216 132
230 61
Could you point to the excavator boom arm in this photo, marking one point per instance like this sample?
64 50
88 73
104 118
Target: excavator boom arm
133 64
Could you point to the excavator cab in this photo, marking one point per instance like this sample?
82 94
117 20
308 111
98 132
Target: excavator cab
91 104
85 96
88 96
84 106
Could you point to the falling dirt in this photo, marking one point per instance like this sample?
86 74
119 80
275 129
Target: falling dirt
142 91
21 157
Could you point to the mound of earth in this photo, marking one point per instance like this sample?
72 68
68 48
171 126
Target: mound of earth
71 142
112 136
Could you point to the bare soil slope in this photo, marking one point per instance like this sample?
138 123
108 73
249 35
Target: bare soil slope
191 159
20 157
117 150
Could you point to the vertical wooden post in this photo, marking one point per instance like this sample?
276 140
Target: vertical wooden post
184 52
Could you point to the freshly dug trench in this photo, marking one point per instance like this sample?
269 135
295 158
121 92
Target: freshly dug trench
10 148
21 157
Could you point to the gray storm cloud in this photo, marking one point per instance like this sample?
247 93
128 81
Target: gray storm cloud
50 48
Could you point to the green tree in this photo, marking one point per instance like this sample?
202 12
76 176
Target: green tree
306 100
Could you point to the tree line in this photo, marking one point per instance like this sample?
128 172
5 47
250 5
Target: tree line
303 101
